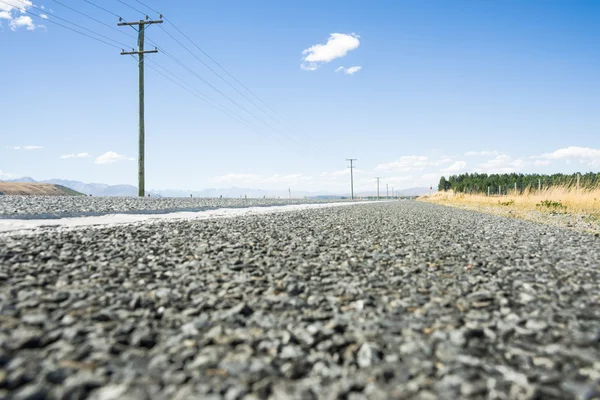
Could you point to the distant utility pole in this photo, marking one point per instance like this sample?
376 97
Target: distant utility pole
290 193
393 192
351 176
140 30
378 178
387 191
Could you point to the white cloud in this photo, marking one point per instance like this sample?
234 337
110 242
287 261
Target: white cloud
43 16
5 174
10 10
348 71
540 163
338 45
75 155
111 157
25 147
502 164
482 153
22 21
585 155
412 163
455 168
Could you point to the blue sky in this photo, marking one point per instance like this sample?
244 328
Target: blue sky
443 87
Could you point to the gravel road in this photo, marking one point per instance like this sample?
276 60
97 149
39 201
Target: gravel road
371 301
76 206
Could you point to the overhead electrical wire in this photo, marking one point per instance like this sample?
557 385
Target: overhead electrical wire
64 26
130 6
208 100
222 68
191 71
102 8
218 106
121 31
69 22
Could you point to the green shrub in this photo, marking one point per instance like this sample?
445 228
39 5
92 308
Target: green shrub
553 206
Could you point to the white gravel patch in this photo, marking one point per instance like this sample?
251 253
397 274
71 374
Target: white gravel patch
20 226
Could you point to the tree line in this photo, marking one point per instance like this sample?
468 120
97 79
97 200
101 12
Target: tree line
504 183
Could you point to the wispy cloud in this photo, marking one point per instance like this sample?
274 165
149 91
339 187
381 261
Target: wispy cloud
585 155
25 147
5 174
502 164
338 45
111 157
412 163
455 168
349 71
75 155
482 153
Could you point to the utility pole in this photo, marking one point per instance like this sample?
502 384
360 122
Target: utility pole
378 178
290 193
140 30
393 192
351 177
387 191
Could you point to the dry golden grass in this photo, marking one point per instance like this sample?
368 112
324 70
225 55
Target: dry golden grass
39 189
582 201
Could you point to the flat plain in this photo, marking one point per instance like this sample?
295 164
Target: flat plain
370 301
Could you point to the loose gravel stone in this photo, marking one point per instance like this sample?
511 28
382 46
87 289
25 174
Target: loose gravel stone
371 301
75 206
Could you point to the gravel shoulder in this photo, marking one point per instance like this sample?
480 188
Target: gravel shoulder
371 301
51 207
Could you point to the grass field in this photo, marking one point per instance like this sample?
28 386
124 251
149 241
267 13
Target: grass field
39 189
565 206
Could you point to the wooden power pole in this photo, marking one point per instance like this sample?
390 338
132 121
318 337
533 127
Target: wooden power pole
378 178
351 177
141 26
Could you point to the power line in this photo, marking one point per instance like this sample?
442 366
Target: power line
102 8
95 19
223 94
203 80
211 102
133 8
221 67
64 26
181 64
69 22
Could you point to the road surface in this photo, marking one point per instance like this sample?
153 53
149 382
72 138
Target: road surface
369 301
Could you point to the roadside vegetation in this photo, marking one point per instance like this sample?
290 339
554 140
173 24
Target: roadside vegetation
559 205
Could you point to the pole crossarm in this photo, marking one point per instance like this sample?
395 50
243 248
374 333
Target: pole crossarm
142 22
125 53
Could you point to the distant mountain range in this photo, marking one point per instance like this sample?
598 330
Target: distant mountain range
101 189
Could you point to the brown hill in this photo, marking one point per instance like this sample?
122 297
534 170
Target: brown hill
38 189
